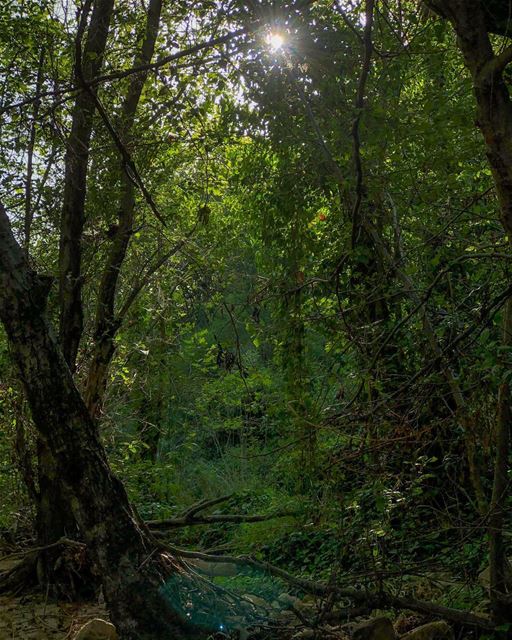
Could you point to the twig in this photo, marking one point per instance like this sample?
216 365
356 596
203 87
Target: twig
138 286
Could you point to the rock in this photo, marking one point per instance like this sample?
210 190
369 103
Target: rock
97 629
307 634
289 600
215 569
405 623
484 577
374 629
439 630
257 601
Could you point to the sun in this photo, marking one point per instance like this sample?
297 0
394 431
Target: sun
275 41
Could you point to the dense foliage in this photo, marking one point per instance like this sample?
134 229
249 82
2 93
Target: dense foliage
313 294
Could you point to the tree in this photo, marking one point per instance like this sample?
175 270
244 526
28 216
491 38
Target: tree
70 455
473 21
311 272
131 566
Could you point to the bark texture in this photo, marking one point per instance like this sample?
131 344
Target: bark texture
132 570
53 519
87 66
499 570
106 323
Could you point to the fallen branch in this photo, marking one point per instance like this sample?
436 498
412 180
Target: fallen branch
465 618
189 521
310 586
204 504
189 517
370 599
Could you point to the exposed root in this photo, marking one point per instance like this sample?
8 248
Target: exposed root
61 570
211 608
360 597
21 577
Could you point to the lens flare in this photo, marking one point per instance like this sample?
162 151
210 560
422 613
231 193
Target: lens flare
275 41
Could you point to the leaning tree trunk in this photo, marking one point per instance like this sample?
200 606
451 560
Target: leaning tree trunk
498 563
132 569
87 66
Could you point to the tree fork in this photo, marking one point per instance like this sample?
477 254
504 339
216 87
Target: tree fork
106 322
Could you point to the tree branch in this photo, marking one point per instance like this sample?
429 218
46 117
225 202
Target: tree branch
137 288
372 599
204 504
492 69
190 521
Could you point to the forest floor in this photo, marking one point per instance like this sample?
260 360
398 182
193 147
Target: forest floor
34 617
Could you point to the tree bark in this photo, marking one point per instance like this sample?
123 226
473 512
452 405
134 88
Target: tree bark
132 570
498 562
53 519
494 109
87 66
106 323
470 20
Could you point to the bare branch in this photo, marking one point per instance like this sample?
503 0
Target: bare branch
137 288
175 523
204 504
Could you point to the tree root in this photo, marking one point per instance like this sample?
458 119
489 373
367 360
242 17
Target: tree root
21 577
363 598
71 576
210 608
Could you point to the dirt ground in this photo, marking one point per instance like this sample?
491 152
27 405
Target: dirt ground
31 618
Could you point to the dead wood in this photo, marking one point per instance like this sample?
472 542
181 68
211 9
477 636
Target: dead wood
363 597
189 517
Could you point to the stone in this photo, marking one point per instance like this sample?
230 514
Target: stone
288 600
257 601
374 629
484 577
439 630
215 569
97 629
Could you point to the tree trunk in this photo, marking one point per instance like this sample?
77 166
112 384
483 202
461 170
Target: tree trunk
494 109
470 20
498 562
133 571
53 520
87 66
106 323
